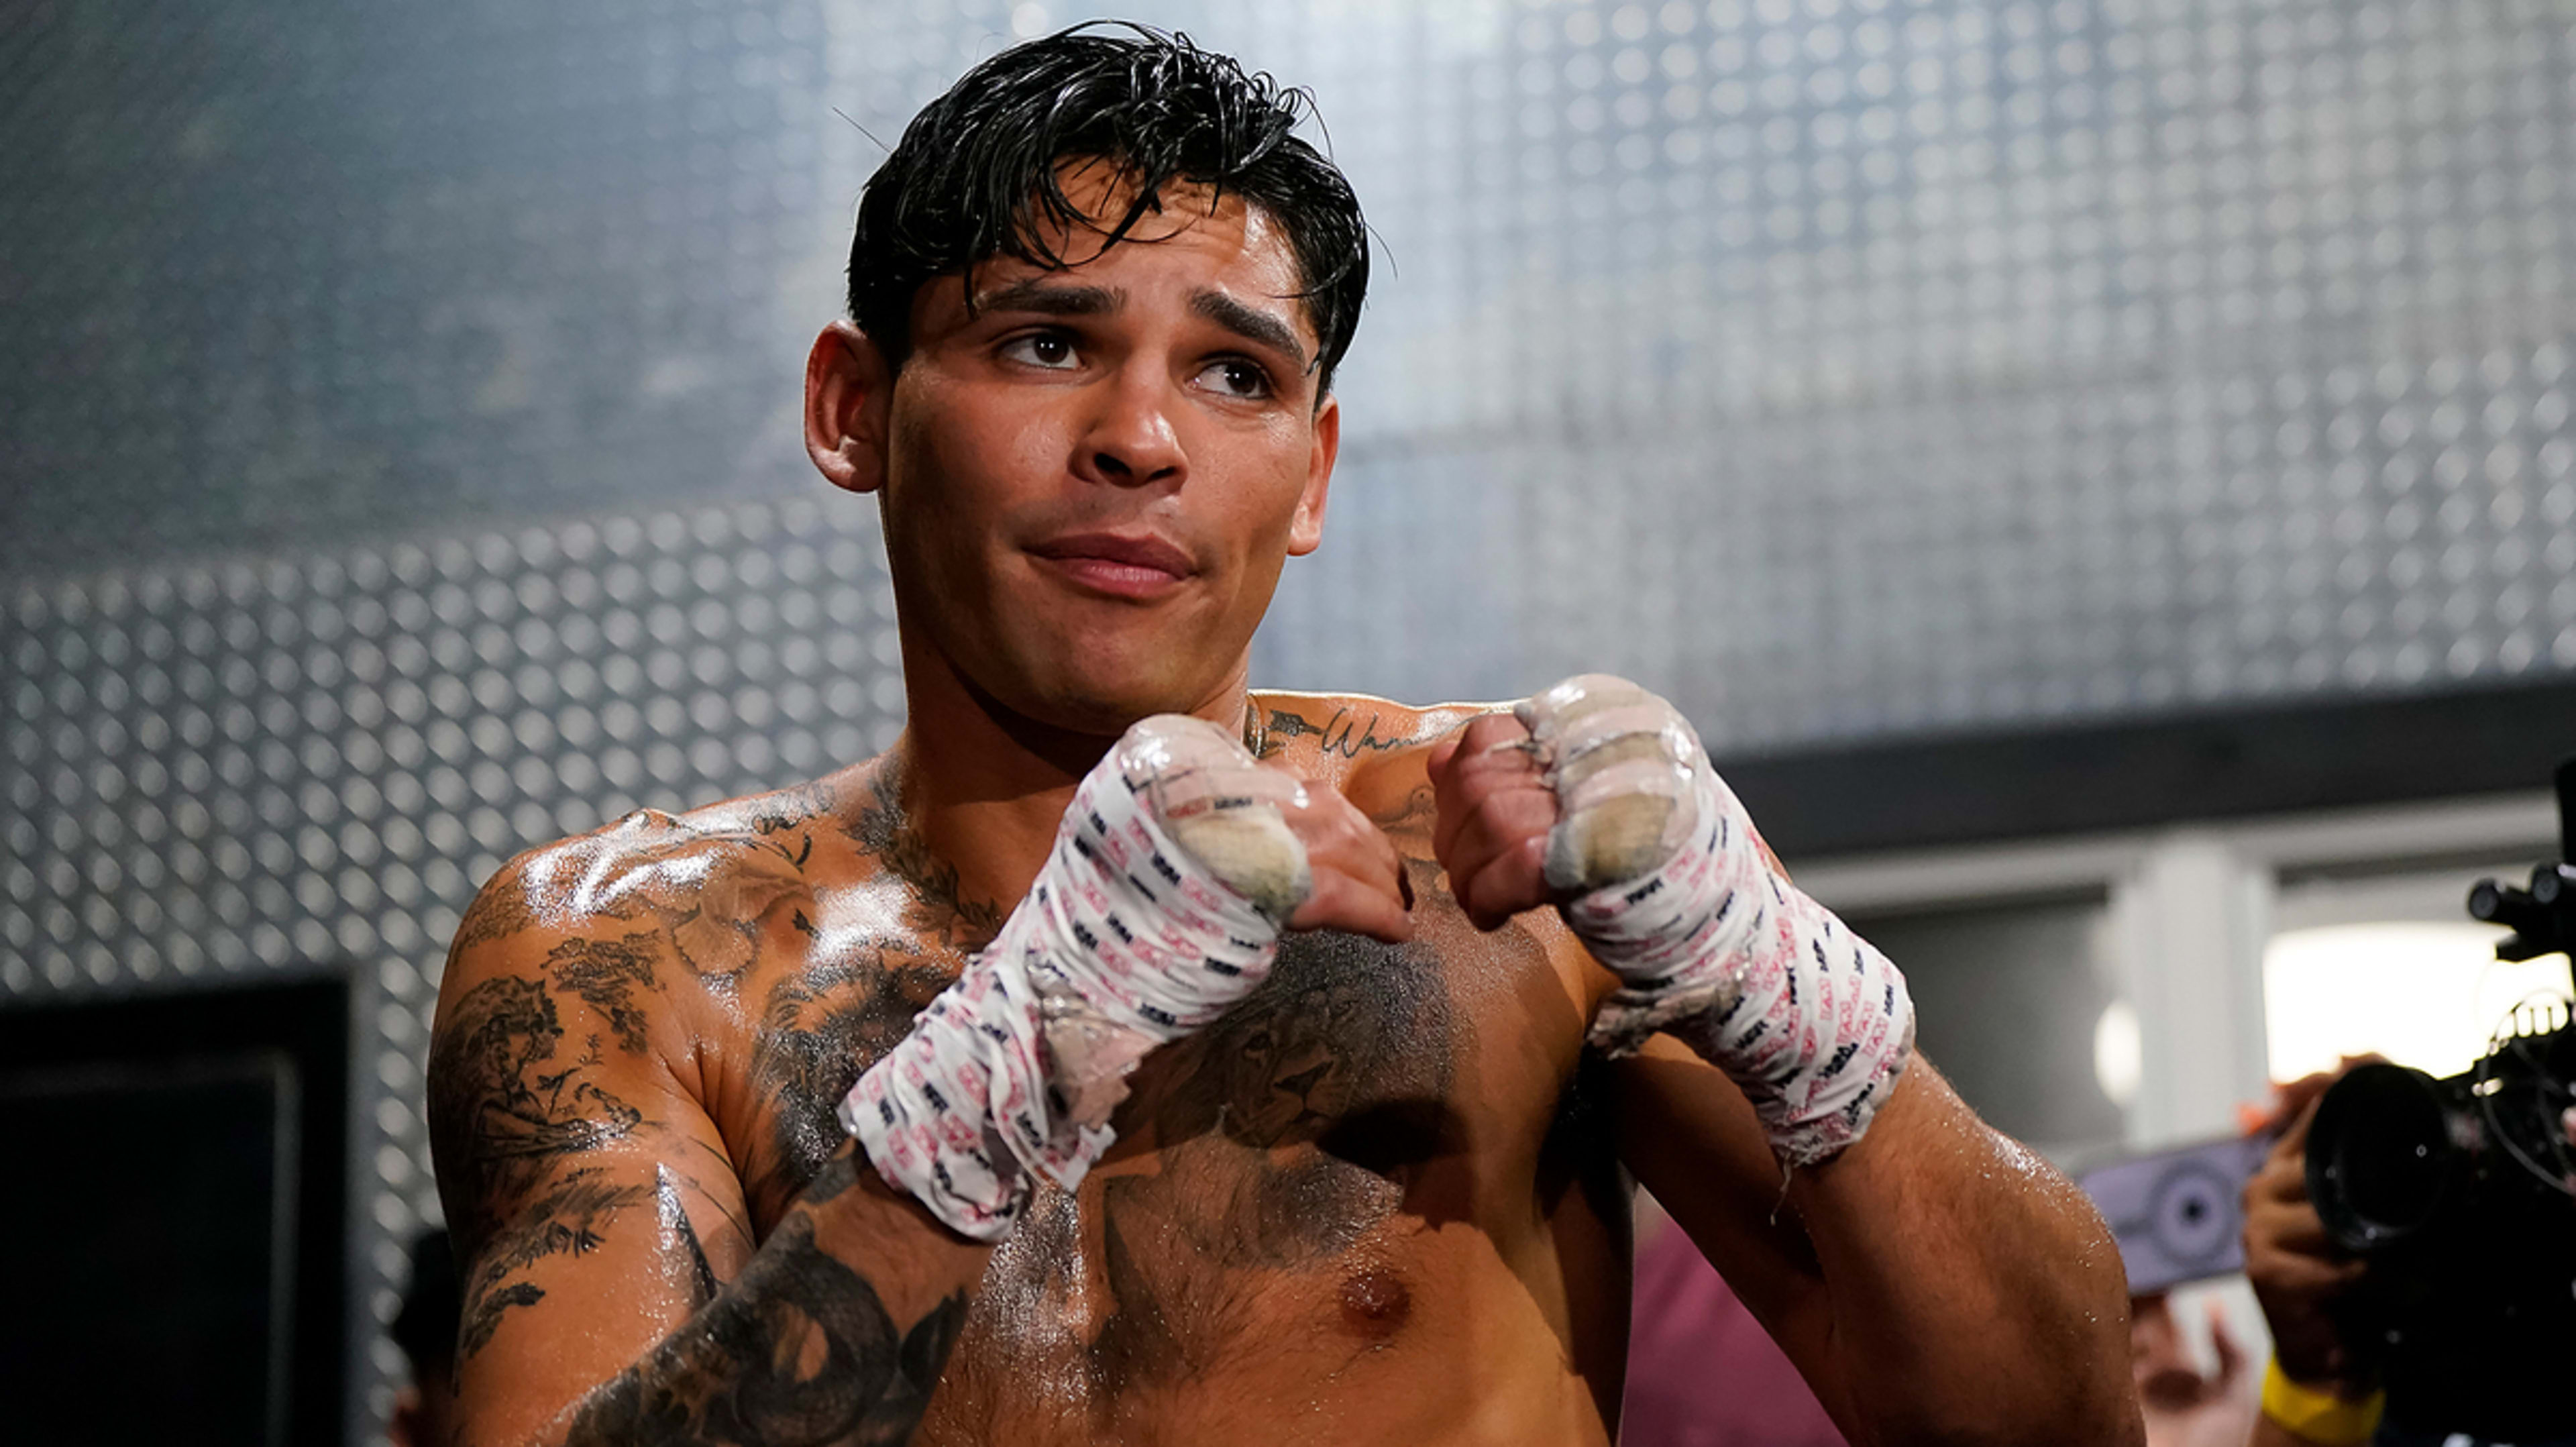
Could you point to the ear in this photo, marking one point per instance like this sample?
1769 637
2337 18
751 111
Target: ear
1306 529
847 389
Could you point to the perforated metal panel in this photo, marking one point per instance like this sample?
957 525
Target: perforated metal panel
229 769
1840 367
1853 368
1843 367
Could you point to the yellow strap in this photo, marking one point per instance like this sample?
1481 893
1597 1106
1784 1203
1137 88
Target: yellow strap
2320 1417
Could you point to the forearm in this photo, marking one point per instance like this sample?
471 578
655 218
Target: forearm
1960 1290
834 1332
1973 1294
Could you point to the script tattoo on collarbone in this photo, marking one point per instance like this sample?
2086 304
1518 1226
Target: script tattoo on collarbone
1342 734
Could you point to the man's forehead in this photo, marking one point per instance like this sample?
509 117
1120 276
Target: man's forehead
1251 265
1194 213
1101 191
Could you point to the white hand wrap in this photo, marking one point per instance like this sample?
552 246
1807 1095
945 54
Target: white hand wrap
1159 907
1712 942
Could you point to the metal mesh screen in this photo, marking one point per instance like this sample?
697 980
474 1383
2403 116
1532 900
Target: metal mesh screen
1841 367
225 770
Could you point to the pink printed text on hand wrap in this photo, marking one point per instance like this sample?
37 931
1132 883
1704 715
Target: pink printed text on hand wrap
1717 948
1125 941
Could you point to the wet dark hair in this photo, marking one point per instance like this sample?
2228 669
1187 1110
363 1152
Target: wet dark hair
975 175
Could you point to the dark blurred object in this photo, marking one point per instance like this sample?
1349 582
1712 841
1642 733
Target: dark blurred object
432 1305
2177 1214
2542 917
173 1236
425 1329
2458 1192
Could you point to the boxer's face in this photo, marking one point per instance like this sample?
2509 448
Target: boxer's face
1091 481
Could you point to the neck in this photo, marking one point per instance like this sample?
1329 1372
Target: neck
985 785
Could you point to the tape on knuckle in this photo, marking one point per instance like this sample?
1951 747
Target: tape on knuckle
1711 942
1620 760
1223 807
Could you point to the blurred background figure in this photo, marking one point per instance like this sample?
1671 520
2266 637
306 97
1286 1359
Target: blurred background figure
2447 1335
2188 1404
1702 1372
425 1329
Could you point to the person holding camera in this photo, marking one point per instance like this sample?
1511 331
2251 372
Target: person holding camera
2317 1389
2323 1387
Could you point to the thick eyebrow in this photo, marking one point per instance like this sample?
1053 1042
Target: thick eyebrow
1249 323
1036 294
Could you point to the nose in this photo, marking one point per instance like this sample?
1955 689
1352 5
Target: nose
1130 441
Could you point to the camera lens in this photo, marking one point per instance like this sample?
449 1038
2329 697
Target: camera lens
2380 1158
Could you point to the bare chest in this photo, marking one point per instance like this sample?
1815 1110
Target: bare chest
1324 1186
1315 1194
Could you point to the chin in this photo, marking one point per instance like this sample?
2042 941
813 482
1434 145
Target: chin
1100 697
1091 689
1091 708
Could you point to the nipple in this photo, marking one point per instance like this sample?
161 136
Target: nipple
1375 1303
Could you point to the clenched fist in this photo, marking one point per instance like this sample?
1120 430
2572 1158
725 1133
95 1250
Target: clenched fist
1600 756
1494 813
1596 797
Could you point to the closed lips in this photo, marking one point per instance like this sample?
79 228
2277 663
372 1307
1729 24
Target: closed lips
1134 552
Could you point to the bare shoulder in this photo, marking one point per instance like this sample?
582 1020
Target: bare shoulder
1376 751
590 980
697 883
600 953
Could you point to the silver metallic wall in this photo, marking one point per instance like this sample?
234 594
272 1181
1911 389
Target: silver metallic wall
211 772
398 458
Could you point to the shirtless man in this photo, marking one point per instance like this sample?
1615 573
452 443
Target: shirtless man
1367 1182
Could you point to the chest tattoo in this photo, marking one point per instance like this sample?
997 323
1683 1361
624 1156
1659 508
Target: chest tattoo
1285 1134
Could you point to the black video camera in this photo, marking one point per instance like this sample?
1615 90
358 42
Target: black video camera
2461 1194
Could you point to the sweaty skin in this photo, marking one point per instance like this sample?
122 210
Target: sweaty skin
1371 1204
1381 1200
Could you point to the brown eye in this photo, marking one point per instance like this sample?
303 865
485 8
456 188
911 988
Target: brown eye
1236 377
1051 350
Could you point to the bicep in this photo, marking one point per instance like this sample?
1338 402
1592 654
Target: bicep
593 1204
1692 1141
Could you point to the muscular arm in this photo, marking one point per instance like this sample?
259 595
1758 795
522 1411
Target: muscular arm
1936 1282
613 1289
835 1331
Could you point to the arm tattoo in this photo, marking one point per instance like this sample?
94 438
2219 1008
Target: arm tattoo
605 974
506 1122
686 1259
571 1219
502 1115
799 1350
499 911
